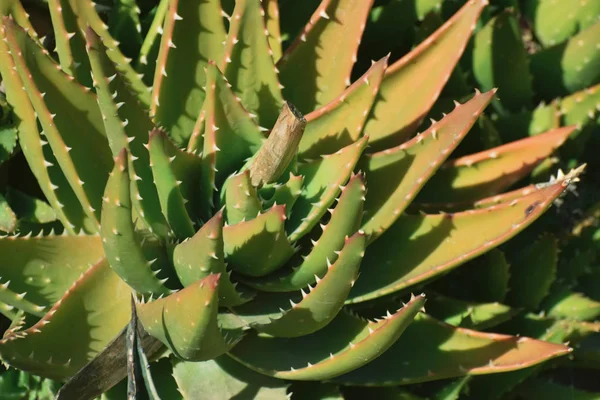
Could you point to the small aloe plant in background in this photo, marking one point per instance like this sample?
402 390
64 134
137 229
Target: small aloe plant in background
226 217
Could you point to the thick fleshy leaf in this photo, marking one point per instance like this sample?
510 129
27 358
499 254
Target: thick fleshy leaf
202 255
193 35
229 134
121 242
37 271
146 63
38 154
570 66
286 193
241 199
489 172
396 175
395 116
69 116
248 62
224 378
8 219
272 25
70 42
29 208
317 306
311 80
480 316
562 303
533 272
45 350
125 27
344 222
541 389
89 17
500 60
186 321
258 246
127 125
430 350
340 122
321 187
345 344
446 241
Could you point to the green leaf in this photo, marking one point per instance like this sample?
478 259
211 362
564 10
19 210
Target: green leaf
248 62
533 272
321 187
241 199
121 242
272 25
258 246
480 316
224 378
43 349
28 208
344 222
8 218
186 321
492 171
541 389
500 60
124 26
340 123
193 35
8 140
310 80
421 248
396 175
571 66
286 193
345 344
203 255
146 62
316 307
431 350
562 303
396 116
39 270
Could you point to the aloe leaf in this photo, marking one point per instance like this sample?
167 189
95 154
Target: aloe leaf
230 135
286 193
8 218
310 80
489 172
70 43
340 122
562 303
580 108
29 208
520 125
317 306
480 316
43 348
186 321
533 272
344 222
572 65
202 255
127 125
37 152
271 8
89 17
387 126
193 35
246 243
550 24
500 40
75 132
477 230
40 269
15 9
452 352
120 240
248 62
354 342
224 378
412 164
172 201
8 137
241 199
321 187
146 62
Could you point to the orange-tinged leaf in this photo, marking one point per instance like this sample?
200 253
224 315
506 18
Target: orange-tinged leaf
413 83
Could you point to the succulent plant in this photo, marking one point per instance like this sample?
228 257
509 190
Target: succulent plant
263 210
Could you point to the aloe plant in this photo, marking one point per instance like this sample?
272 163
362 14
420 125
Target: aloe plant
258 205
